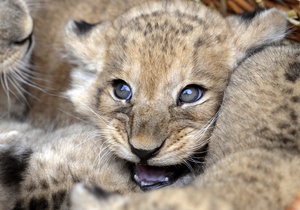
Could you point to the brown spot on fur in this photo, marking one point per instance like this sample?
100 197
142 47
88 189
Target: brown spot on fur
281 108
55 181
31 187
148 29
44 184
18 206
199 42
187 29
58 199
156 13
75 179
295 99
272 136
221 38
293 132
293 115
135 25
38 204
284 139
293 72
283 125
288 91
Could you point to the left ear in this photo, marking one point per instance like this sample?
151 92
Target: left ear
257 30
86 43
86 48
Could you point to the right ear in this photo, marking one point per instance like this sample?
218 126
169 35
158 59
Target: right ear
86 48
257 30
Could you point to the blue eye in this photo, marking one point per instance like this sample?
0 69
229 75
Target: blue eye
191 94
122 90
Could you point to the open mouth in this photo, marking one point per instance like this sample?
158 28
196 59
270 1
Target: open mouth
149 177
153 177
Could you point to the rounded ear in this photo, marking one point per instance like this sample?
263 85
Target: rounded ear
86 44
86 48
256 30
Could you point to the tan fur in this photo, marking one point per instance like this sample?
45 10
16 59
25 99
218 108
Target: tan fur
253 159
13 162
48 108
158 48
54 165
15 49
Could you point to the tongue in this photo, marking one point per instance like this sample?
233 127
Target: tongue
147 176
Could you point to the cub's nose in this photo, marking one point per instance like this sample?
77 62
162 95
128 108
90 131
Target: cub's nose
144 155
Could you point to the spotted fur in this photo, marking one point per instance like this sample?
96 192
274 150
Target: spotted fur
158 48
14 158
253 158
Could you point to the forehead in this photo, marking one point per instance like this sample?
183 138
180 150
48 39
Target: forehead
165 46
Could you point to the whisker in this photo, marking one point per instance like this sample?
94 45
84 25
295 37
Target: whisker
34 5
17 88
74 116
105 158
96 114
6 88
189 167
29 69
101 157
24 90
92 135
20 77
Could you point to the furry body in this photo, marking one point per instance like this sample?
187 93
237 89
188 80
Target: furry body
173 57
54 166
253 155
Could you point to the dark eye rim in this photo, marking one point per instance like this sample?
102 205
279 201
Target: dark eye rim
117 82
200 95
23 41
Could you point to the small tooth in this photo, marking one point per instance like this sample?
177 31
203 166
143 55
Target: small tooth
145 183
166 179
136 178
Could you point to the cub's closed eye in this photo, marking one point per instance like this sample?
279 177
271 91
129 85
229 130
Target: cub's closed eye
122 90
190 94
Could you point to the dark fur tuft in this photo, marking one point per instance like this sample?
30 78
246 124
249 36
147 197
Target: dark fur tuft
98 192
13 163
83 27
248 16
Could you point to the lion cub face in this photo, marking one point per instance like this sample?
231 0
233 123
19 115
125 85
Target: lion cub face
153 80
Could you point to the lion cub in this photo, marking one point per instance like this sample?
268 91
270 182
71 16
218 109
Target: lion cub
254 151
152 81
16 46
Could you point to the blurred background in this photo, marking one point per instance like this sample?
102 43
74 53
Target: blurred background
291 7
